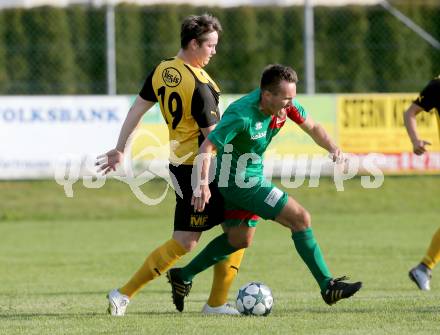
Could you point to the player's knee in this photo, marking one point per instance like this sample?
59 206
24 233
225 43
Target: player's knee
188 244
303 220
240 241
242 244
307 219
188 240
245 243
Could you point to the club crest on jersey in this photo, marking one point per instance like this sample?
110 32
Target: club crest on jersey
171 77
258 126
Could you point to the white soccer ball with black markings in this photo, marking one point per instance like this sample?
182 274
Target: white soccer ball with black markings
254 299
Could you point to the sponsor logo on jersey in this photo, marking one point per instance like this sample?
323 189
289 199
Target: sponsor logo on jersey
259 135
171 77
258 126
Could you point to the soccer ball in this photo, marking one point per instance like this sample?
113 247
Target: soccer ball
254 299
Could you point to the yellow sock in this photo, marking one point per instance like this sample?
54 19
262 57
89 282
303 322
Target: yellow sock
157 263
433 253
224 274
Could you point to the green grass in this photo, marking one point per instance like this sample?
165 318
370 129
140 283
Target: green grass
59 256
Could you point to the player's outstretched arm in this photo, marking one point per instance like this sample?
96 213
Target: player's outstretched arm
108 161
322 138
411 128
202 194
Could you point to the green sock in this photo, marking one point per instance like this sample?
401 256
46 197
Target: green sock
217 250
310 252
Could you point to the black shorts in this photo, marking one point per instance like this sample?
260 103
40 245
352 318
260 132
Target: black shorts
185 218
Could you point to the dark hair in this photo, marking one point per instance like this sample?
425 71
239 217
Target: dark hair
273 74
196 27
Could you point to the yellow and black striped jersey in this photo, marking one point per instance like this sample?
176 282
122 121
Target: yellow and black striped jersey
188 99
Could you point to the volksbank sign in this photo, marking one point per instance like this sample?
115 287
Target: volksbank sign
59 114
37 132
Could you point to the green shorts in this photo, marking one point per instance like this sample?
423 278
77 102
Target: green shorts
247 205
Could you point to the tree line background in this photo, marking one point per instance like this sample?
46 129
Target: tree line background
48 50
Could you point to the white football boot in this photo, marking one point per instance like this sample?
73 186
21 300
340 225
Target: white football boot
117 303
225 309
421 275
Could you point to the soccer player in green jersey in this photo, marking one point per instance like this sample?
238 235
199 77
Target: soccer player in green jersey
240 139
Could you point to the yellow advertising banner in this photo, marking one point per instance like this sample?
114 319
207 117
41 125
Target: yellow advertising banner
374 123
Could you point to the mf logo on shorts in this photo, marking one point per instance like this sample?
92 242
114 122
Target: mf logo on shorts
198 220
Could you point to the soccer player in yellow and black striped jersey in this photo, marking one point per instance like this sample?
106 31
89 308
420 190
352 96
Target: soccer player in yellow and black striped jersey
428 99
188 99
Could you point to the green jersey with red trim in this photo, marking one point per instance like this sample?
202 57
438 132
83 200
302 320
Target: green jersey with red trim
249 131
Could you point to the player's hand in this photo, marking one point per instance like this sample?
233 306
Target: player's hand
108 161
337 156
419 146
200 198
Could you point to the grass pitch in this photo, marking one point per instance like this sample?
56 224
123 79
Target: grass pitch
59 257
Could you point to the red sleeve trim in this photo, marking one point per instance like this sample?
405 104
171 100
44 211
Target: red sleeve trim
294 114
